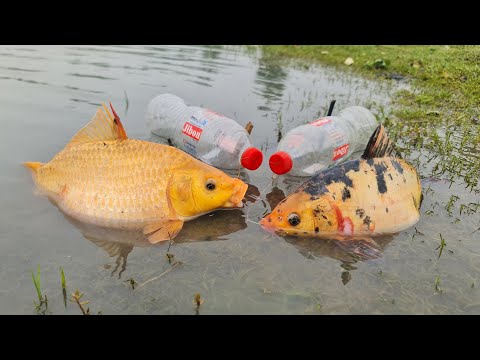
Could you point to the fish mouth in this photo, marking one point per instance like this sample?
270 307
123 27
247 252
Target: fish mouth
238 194
266 224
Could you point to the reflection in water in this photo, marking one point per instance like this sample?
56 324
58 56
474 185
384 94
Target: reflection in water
288 183
271 77
252 194
212 52
120 243
275 196
348 252
282 187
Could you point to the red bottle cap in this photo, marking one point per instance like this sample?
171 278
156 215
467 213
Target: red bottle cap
251 158
280 163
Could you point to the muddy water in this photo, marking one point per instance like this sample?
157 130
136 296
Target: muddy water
47 93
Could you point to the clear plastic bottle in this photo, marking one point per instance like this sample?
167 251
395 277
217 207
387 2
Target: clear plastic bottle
324 142
204 134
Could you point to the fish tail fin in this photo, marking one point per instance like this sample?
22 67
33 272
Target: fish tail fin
379 145
33 166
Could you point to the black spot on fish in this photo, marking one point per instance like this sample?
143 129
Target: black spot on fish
368 186
390 176
360 213
334 198
305 232
397 166
367 221
323 216
316 185
115 121
317 229
329 222
346 194
351 165
386 209
365 171
269 219
370 162
313 198
380 170
104 144
278 210
122 211
312 187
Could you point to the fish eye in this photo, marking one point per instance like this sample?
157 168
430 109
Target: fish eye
210 184
293 219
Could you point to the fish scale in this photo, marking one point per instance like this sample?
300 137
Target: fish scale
122 189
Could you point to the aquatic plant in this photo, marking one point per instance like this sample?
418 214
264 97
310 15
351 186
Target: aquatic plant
76 296
42 305
64 286
198 301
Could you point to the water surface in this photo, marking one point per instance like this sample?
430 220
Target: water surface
47 93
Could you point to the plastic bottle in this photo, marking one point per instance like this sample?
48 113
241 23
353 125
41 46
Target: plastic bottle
324 142
204 134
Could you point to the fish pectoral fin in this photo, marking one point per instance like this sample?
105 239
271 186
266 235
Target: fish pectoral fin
161 231
103 126
364 248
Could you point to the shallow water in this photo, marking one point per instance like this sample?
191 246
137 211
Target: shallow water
47 93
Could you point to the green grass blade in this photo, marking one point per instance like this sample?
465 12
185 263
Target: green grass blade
63 278
37 287
38 278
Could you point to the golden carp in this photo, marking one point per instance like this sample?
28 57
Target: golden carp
104 178
378 194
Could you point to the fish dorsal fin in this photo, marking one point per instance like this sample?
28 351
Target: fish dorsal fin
379 145
103 126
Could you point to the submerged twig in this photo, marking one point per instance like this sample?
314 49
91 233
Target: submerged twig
249 127
156 277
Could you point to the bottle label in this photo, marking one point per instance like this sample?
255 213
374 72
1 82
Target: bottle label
340 152
223 141
189 147
320 122
191 130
